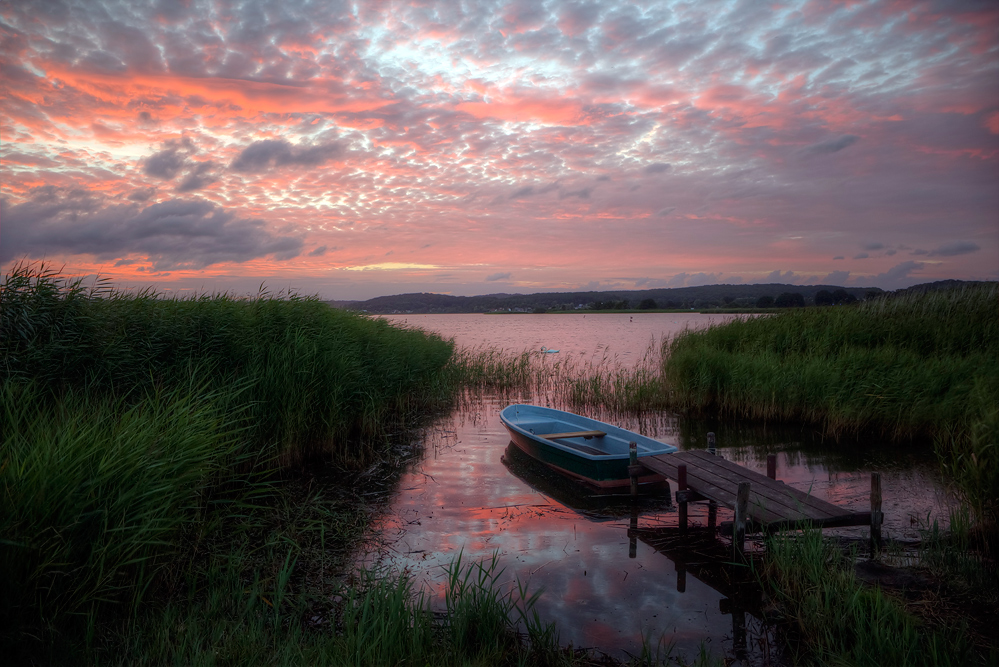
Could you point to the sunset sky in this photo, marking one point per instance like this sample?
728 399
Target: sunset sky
359 149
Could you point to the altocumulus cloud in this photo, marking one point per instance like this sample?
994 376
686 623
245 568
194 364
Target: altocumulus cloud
498 276
955 248
175 234
268 154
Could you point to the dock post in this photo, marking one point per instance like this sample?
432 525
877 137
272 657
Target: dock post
711 443
632 464
681 485
633 532
772 466
712 514
739 525
876 516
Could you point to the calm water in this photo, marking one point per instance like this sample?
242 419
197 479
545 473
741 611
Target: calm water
473 493
620 339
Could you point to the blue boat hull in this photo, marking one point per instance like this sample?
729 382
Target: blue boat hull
600 461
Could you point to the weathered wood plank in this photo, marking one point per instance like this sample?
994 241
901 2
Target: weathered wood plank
723 491
784 500
572 434
770 488
771 503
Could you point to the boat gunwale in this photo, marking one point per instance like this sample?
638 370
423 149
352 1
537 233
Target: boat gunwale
610 429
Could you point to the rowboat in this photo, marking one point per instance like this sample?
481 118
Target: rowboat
585 449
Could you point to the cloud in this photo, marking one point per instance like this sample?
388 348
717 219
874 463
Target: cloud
657 168
166 163
839 257
498 276
582 193
897 276
955 248
651 283
175 234
861 255
666 211
778 277
198 177
873 246
831 145
836 278
318 252
261 156
141 194
685 279
703 279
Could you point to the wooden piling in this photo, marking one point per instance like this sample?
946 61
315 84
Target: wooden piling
876 515
711 443
739 527
772 466
632 466
633 532
681 485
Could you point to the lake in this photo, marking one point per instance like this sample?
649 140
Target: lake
606 337
472 493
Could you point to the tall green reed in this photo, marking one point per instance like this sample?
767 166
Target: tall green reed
902 366
836 619
317 379
96 490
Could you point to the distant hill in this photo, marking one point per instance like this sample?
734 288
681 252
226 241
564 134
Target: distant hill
939 285
700 298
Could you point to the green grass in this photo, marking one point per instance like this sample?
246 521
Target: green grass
156 502
140 435
315 379
834 619
908 366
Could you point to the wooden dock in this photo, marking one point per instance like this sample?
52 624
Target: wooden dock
761 503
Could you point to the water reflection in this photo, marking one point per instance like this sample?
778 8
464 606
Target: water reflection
609 577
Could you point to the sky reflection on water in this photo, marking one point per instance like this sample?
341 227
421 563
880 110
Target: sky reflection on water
469 495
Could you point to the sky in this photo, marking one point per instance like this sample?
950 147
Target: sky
358 149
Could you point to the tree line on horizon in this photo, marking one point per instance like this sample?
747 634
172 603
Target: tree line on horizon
705 297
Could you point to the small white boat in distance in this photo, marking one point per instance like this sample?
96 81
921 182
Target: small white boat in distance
546 350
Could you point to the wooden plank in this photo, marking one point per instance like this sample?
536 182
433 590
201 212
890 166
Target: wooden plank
782 494
721 492
585 448
770 501
784 501
572 434
769 488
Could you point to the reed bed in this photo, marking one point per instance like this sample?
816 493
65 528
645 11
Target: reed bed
905 366
900 365
314 380
154 505
138 431
834 618
565 381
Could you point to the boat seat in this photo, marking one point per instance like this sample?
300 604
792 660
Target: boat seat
585 448
572 434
